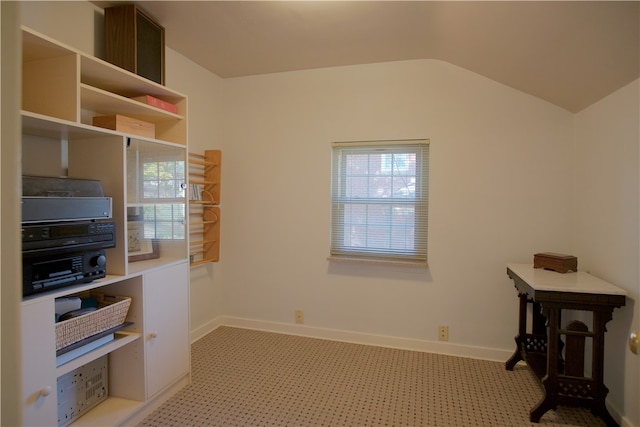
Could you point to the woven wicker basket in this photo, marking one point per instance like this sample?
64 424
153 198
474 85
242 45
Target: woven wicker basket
112 312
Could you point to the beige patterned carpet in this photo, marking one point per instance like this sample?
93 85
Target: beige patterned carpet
244 377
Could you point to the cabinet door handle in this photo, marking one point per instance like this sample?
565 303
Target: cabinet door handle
45 391
153 335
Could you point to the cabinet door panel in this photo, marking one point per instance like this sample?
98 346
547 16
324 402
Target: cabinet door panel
39 386
166 326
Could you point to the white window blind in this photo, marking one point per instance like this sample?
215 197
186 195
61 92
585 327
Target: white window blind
380 200
163 182
156 190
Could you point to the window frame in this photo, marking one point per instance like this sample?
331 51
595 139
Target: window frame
414 254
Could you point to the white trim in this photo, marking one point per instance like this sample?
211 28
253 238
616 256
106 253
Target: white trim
418 141
620 419
145 409
377 261
437 347
203 330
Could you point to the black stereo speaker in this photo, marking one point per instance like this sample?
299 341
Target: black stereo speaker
134 41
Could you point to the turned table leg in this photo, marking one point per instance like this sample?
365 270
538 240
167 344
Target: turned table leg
600 319
550 381
522 332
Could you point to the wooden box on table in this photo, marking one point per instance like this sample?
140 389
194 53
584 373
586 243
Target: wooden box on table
557 262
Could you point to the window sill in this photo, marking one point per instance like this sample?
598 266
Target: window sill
378 261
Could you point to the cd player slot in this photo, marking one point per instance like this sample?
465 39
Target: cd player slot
60 273
100 242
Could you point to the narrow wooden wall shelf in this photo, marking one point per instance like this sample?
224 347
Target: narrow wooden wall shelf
204 201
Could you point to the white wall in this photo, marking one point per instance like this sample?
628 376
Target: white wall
500 191
77 24
606 213
205 125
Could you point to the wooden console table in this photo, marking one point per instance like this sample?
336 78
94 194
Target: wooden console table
563 378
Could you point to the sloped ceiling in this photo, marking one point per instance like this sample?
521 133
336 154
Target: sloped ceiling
570 53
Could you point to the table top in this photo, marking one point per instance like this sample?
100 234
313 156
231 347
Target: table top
540 279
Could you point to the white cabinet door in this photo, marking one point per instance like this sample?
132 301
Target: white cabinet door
166 306
39 391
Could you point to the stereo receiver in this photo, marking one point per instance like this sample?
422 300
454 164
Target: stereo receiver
63 254
44 273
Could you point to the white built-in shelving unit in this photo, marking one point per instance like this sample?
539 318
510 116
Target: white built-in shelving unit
63 89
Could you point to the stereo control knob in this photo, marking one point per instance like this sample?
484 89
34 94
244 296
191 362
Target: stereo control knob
98 261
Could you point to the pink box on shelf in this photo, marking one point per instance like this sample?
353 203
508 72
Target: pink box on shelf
156 102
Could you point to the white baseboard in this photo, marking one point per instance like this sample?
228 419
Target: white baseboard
203 330
356 338
622 420
154 403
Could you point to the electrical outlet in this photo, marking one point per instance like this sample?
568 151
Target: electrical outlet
299 316
443 333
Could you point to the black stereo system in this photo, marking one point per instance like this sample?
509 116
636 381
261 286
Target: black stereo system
63 251
63 254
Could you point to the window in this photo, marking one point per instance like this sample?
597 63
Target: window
379 200
163 181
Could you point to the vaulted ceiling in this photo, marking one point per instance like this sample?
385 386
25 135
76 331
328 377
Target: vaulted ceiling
569 53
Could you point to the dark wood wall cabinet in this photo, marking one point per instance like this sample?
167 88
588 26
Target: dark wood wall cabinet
135 42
